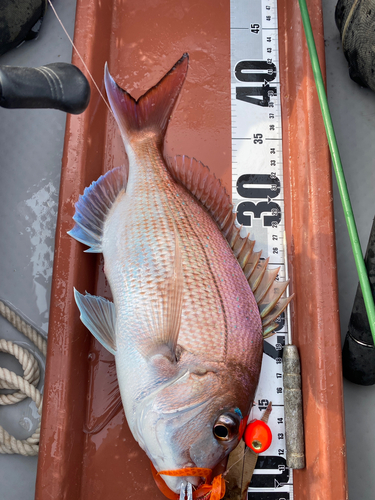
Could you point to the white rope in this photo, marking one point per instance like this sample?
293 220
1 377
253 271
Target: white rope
25 386
24 328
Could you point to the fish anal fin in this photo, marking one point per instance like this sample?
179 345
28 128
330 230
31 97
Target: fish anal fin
153 109
98 315
93 207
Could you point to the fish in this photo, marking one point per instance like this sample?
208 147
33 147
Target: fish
192 301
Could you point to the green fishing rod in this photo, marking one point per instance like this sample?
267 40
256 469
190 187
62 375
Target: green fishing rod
337 166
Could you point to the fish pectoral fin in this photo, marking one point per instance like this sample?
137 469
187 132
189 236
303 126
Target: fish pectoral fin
164 318
99 316
93 207
195 390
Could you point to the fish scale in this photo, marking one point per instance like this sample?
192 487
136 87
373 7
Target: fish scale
204 252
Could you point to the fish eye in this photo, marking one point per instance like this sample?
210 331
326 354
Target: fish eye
226 427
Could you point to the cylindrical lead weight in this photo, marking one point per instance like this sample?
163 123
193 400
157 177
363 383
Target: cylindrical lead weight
294 436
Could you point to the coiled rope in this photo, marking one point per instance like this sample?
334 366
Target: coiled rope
25 386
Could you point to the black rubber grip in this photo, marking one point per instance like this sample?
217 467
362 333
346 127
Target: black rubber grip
58 86
358 354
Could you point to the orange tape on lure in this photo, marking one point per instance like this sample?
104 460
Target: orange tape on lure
214 491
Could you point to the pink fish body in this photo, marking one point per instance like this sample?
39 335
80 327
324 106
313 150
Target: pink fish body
185 327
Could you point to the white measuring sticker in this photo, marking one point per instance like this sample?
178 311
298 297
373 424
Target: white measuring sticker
258 196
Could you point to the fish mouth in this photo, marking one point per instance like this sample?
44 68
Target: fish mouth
186 491
175 483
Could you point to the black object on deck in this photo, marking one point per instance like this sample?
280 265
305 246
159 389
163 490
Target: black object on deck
358 354
356 23
59 86
20 20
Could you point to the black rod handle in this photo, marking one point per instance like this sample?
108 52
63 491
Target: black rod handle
358 354
59 86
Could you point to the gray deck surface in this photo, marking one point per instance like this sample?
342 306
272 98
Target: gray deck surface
31 143
353 114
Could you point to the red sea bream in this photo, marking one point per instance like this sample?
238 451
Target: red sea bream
185 327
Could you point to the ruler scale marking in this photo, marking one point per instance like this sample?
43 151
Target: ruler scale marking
258 196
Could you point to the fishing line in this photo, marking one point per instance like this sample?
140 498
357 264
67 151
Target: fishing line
239 460
79 55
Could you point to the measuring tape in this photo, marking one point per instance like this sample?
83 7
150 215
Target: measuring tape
257 194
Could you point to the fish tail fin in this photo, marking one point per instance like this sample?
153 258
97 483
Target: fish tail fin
151 111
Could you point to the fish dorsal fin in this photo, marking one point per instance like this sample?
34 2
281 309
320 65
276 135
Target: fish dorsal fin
99 316
204 185
206 188
94 205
